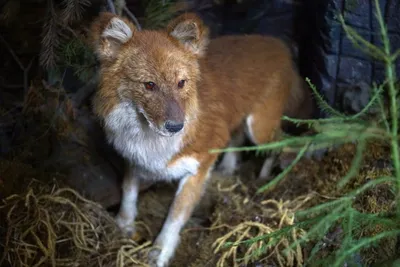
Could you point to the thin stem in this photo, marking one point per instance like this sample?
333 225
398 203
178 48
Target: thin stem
355 164
391 76
382 110
363 243
285 171
18 61
375 97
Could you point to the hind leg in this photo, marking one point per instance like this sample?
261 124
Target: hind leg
266 168
261 132
263 125
230 160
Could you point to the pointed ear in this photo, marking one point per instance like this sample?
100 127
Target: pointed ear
108 33
189 30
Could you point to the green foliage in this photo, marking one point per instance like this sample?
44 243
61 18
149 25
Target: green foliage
57 28
159 12
378 120
78 56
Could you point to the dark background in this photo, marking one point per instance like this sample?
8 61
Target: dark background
340 71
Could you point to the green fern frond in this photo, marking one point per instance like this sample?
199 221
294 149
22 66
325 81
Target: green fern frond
322 104
362 44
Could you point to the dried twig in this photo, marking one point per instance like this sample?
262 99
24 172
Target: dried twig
11 51
130 14
26 75
18 61
119 6
111 6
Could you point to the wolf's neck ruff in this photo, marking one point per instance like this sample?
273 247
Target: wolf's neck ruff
142 146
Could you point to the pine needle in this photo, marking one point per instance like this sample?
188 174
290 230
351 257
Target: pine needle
73 10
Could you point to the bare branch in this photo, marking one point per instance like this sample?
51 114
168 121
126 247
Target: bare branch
111 6
119 6
18 61
26 75
130 14
12 53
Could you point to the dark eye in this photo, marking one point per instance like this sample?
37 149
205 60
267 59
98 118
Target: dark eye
181 83
149 85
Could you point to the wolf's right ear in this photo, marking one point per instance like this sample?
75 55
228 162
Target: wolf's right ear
108 33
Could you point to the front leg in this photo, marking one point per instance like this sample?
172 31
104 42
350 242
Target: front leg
128 209
186 198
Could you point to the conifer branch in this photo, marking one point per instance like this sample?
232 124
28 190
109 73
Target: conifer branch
73 10
51 38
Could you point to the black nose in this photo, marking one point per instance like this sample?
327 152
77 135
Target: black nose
173 126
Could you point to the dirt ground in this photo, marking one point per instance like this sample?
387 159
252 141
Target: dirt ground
230 204
231 211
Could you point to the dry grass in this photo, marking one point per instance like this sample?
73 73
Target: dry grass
58 227
279 214
53 226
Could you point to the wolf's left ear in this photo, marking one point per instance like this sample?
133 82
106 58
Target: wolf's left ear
191 32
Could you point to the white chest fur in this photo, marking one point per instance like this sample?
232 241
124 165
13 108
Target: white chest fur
148 151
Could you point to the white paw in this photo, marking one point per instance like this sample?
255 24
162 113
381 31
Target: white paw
266 168
158 257
126 225
228 164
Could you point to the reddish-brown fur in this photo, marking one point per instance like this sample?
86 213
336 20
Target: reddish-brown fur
229 79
